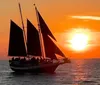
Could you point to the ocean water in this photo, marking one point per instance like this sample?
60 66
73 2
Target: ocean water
79 72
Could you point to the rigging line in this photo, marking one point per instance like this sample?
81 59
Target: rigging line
23 26
40 35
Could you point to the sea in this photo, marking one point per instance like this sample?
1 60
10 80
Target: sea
78 72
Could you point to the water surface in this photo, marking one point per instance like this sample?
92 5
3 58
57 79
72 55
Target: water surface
79 72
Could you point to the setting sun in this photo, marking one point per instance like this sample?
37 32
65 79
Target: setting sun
79 39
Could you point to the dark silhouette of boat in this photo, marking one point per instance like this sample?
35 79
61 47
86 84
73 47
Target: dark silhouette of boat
36 51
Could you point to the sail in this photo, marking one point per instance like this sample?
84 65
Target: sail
44 27
33 43
16 41
50 48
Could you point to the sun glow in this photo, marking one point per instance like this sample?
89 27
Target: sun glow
79 40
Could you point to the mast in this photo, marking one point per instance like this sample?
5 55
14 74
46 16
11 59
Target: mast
40 35
23 26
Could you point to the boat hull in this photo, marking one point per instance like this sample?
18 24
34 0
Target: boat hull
48 68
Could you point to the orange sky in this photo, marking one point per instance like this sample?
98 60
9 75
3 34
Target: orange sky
57 15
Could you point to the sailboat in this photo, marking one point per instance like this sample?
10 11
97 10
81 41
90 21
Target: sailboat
35 52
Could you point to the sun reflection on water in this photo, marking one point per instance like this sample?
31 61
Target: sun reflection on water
79 73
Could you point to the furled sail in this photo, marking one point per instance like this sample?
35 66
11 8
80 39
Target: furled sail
50 48
44 27
33 43
16 41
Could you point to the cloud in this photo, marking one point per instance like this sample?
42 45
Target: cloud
86 17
